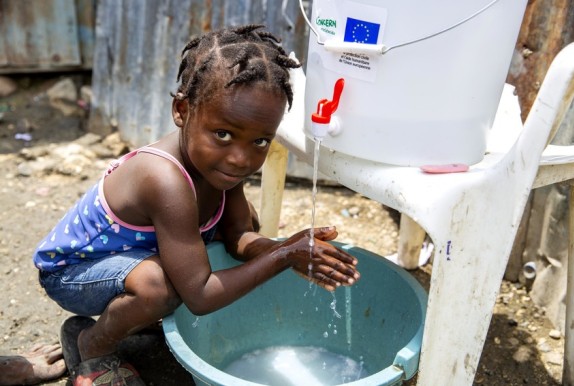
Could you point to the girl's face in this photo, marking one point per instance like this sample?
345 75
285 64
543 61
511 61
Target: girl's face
227 139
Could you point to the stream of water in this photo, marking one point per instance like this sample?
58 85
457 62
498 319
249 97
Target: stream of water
313 203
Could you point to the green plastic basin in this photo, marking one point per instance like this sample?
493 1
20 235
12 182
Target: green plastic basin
381 322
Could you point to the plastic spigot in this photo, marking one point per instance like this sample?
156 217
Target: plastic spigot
321 120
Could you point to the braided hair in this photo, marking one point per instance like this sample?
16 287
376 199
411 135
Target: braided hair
233 56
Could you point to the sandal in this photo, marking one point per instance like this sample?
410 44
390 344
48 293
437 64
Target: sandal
69 333
108 370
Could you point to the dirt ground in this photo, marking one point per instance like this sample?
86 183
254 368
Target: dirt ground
47 161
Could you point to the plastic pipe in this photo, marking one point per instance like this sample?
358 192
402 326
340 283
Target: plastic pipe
529 270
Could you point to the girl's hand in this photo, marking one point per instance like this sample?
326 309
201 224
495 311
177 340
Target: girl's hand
326 265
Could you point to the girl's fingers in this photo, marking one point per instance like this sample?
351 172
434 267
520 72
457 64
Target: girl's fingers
342 274
341 256
325 233
327 249
321 280
339 260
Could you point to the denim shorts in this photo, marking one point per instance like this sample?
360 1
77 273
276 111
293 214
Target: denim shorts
87 288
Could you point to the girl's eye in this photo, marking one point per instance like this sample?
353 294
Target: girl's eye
223 135
262 142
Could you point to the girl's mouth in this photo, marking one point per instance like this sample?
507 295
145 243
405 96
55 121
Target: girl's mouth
232 178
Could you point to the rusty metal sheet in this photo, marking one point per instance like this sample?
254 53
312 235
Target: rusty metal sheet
86 20
45 34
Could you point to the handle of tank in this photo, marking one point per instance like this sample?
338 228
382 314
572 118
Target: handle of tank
358 48
340 46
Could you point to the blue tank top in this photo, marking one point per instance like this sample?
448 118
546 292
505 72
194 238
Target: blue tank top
90 230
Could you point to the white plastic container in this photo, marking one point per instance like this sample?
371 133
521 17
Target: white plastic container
423 78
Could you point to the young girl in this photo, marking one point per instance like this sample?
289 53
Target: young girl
133 248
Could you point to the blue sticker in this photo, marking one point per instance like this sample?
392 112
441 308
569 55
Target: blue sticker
361 31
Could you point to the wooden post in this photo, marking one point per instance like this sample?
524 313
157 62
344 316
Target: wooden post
411 237
272 187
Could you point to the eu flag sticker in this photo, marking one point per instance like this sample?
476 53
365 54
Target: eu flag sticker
361 31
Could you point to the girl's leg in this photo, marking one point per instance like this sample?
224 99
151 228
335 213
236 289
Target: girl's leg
149 297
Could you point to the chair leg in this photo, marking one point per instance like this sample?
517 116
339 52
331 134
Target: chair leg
465 281
568 373
272 187
411 237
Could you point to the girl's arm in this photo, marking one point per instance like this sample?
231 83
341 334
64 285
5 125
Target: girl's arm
236 228
173 210
244 244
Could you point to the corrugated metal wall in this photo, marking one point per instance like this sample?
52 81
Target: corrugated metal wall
137 54
46 35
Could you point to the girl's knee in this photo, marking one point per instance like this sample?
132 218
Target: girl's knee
149 282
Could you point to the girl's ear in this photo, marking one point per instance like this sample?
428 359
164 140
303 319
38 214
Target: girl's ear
179 111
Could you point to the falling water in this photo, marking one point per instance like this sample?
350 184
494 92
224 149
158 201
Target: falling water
314 198
316 153
333 306
348 316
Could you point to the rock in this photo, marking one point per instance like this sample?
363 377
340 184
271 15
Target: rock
70 150
64 90
102 151
86 94
42 165
64 96
32 153
554 358
69 169
115 143
522 354
24 169
88 139
555 334
544 347
7 86
354 211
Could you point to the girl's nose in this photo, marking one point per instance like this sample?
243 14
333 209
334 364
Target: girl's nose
239 158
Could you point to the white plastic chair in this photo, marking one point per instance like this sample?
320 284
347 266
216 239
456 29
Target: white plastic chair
471 217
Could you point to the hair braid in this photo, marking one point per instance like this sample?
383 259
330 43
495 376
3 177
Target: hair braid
232 56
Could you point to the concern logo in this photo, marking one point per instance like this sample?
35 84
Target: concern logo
328 23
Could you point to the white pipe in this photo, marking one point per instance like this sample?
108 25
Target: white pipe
529 270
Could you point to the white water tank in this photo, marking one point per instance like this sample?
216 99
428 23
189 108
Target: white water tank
422 78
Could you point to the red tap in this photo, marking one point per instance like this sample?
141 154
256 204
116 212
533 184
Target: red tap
325 108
